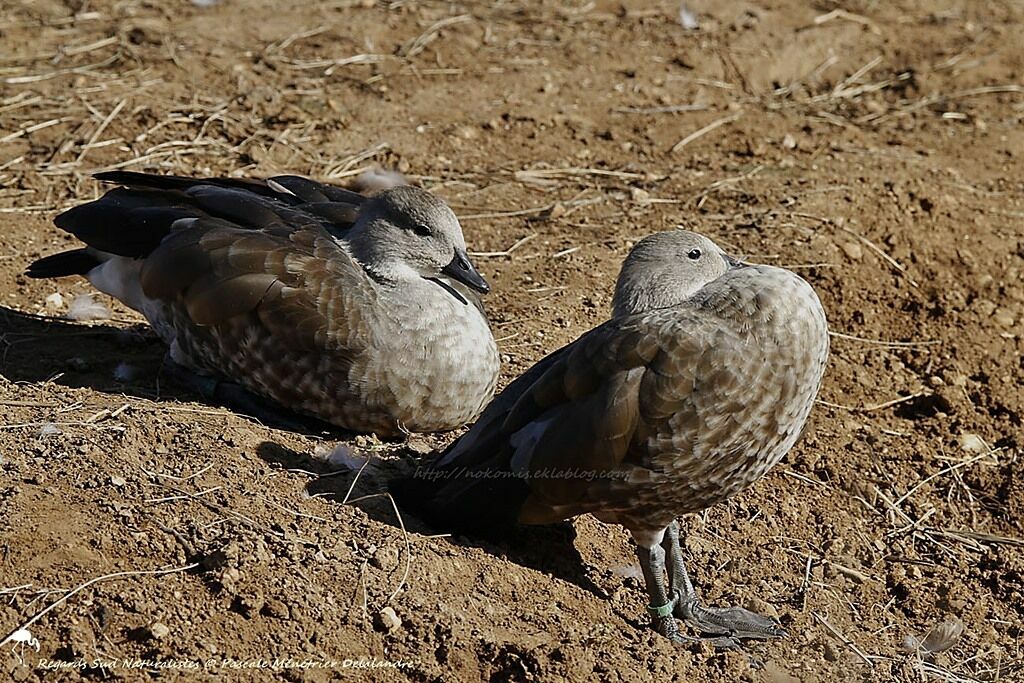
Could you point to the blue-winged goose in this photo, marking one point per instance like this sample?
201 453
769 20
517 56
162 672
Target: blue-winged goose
358 311
700 382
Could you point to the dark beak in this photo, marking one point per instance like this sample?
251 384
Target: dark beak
461 270
732 261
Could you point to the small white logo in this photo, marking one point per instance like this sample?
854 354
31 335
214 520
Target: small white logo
19 640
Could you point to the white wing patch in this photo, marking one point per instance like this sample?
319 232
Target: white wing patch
119 276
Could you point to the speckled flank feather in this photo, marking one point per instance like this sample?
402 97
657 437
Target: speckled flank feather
656 413
259 282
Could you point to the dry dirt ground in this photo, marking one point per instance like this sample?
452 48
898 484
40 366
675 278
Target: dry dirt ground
875 147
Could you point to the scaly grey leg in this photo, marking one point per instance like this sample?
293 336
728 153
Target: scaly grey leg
652 563
729 623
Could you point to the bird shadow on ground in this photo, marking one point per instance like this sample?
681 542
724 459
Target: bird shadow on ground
120 360
549 549
38 348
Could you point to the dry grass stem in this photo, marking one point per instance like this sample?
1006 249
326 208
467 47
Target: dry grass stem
420 43
717 123
883 342
507 252
847 16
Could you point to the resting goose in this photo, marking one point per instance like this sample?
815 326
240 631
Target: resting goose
360 311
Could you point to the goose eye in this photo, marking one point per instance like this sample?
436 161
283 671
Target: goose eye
421 230
694 254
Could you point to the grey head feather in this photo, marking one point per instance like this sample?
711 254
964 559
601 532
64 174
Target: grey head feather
407 232
667 268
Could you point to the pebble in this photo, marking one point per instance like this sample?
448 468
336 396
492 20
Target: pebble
830 651
54 302
1004 317
251 605
387 620
985 307
762 607
276 608
852 250
159 630
386 559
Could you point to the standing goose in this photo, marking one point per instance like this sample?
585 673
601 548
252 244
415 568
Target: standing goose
359 311
698 385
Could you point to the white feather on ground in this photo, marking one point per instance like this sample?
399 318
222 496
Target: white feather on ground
688 19
48 429
939 639
339 456
85 307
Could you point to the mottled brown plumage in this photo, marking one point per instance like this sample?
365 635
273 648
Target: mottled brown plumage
697 386
358 311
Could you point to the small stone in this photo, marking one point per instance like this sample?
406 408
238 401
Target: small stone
386 559
759 606
54 302
117 481
640 195
388 621
251 605
789 142
852 250
275 608
830 651
985 307
1004 317
158 630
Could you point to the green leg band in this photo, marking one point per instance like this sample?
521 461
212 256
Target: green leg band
662 610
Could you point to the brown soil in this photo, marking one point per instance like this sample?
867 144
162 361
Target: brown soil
878 152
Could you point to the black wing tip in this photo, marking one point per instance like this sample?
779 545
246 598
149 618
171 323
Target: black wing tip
65 220
74 262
